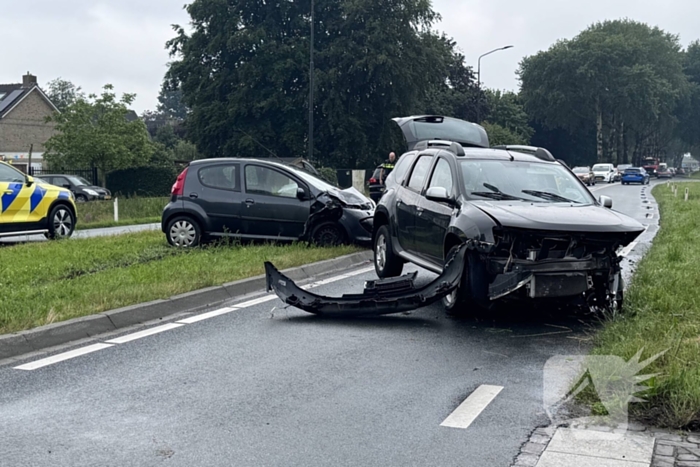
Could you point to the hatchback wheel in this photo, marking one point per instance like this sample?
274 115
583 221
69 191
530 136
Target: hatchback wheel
386 262
328 234
183 232
81 199
61 223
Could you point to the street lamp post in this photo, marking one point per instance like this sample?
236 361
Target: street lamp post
478 79
311 86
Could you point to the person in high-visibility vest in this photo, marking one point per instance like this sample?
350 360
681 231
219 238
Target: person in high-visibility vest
387 167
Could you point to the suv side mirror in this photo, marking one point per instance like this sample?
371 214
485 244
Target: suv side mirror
438 194
301 194
29 180
606 201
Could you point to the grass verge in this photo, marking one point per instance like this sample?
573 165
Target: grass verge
663 314
48 282
95 214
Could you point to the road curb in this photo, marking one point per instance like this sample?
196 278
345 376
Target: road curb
12 345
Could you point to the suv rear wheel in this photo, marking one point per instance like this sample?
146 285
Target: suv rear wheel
386 262
183 232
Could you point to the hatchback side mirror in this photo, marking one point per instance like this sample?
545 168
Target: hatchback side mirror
301 194
29 180
606 202
438 194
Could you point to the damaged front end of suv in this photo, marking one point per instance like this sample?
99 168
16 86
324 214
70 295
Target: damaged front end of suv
530 264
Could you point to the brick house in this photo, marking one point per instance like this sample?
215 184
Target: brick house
23 111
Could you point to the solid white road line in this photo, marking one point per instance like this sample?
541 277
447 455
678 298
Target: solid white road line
626 250
210 314
145 333
466 413
167 327
62 356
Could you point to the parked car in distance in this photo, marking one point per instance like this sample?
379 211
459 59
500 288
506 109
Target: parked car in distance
635 175
604 173
681 171
585 174
376 189
257 199
32 207
532 229
82 189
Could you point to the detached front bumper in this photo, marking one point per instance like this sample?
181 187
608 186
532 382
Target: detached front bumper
380 297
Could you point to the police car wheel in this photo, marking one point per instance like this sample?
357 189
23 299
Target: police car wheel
61 223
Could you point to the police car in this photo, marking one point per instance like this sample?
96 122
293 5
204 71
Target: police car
28 206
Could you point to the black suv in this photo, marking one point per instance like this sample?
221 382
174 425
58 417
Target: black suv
81 188
532 228
256 199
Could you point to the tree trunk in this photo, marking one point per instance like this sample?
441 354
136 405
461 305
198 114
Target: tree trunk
599 131
623 144
612 141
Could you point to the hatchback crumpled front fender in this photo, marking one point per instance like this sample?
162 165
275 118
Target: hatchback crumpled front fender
380 297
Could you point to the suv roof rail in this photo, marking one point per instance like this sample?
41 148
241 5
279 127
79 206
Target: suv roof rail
451 146
540 153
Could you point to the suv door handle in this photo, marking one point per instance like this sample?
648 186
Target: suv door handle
249 202
194 195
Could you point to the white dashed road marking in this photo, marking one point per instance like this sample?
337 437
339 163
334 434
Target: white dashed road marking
62 356
469 410
167 327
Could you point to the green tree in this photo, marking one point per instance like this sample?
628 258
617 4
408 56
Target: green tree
499 135
95 132
623 78
63 93
243 72
688 112
507 112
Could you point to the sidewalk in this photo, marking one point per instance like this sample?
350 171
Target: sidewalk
636 446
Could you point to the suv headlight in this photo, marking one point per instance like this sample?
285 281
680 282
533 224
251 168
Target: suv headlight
90 192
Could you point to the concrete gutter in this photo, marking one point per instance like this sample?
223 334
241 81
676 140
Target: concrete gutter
12 345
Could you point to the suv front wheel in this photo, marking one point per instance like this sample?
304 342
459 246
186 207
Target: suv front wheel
386 262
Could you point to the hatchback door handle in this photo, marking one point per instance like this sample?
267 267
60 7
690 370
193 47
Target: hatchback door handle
194 195
249 201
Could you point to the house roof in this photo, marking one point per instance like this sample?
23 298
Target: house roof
12 94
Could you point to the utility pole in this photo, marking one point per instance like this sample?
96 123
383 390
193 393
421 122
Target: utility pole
311 87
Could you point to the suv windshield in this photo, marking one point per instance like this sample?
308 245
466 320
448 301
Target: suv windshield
529 181
78 181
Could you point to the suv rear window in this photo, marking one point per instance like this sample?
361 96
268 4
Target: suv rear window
420 172
402 166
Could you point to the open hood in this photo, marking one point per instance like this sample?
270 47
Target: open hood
436 127
565 217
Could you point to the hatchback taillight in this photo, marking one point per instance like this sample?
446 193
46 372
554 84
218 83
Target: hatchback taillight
179 185
373 180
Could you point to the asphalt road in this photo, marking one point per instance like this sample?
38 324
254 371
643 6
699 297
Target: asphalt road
268 386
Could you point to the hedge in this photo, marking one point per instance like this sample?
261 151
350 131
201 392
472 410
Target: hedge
142 181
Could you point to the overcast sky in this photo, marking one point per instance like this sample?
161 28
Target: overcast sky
93 42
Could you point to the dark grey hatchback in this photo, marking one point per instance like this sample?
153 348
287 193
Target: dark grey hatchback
256 199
